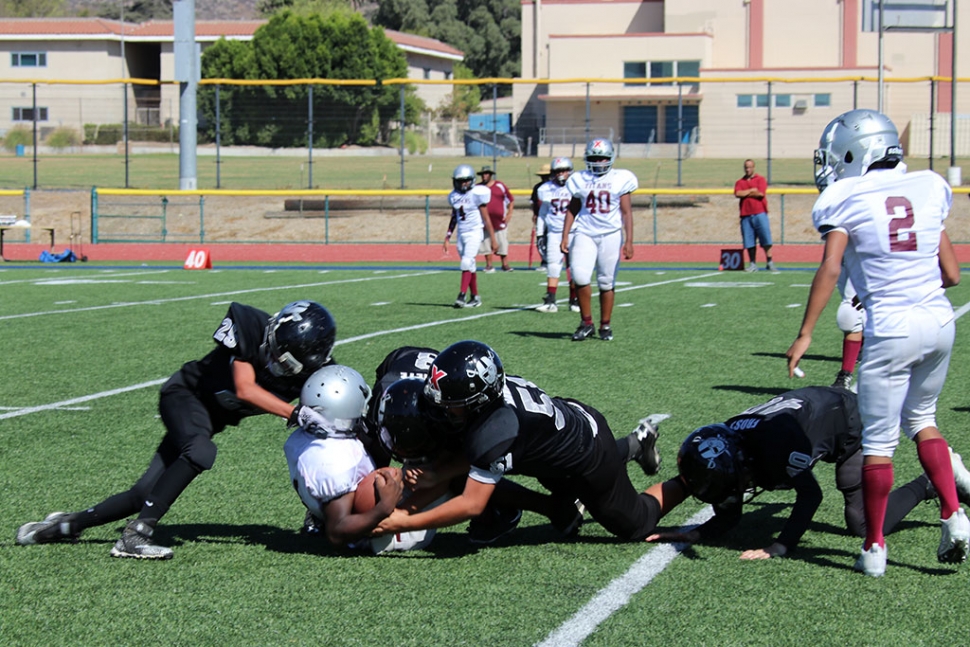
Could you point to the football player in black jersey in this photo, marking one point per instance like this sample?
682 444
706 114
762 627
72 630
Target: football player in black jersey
510 426
399 429
258 366
774 446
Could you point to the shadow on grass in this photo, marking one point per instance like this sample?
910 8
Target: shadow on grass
541 335
819 358
752 390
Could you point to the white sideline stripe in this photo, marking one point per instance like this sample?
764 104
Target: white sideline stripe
46 279
154 302
83 398
95 396
617 593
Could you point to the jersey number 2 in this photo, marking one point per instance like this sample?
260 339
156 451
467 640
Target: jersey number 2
904 223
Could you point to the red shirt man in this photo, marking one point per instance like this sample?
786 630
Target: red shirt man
500 211
750 191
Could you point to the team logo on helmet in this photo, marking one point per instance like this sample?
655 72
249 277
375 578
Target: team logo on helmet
711 448
435 375
484 368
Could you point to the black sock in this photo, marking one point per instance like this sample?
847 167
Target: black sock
628 447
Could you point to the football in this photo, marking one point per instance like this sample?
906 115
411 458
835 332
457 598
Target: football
365 497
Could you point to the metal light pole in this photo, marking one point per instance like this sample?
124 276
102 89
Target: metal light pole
953 173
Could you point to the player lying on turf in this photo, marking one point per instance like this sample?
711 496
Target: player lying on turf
510 426
328 463
774 446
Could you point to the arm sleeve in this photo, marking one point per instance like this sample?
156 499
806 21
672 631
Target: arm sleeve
808 497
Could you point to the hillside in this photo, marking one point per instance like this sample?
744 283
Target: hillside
204 9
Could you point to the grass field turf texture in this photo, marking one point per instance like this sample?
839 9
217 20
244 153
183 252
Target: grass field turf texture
696 344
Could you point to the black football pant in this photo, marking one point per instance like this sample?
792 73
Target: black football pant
604 487
185 451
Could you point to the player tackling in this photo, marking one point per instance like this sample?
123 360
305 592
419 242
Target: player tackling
887 225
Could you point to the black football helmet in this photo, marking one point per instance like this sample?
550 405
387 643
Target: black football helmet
298 339
465 379
712 464
405 431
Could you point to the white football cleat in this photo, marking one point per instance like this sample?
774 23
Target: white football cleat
955 539
872 562
413 540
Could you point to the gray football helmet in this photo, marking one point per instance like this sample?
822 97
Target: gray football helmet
852 142
463 178
339 395
599 156
561 169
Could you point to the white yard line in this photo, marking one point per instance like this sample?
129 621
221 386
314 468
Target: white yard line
154 302
617 593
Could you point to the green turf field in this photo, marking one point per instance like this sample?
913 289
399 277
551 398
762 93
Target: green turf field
420 171
696 344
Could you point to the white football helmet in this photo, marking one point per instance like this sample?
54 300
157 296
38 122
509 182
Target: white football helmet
339 396
463 178
561 168
599 156
853 142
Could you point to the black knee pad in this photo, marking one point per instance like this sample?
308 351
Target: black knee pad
201 453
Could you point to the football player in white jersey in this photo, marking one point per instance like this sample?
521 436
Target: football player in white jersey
554 198
887 225
327 463
599 222
469 215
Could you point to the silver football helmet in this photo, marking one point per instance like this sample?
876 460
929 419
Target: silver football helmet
560 170
599 156
339 396
852 142
463 178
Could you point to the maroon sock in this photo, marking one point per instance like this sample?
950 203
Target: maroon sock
587 321
473 283
877 482
850 353
466 278
551 291
934 456
604 324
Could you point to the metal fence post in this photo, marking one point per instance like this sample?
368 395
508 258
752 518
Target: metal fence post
587 116
403 117
94 215
125 127
27 212
201 218
494 129
932 117
680 130
309 184
164 217
654 203
33 87
768 174
855 94
427 220
326 220
782 218
218 142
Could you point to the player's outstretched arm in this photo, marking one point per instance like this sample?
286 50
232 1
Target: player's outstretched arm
470 503
826 277
247 390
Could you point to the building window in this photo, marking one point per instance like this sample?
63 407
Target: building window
634 70
662 69
823 100
689 68
427 73
783 101
28 59
745 101
27 114
761 100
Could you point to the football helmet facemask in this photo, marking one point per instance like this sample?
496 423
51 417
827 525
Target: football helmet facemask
712 464
599 156
298 339
463 178
853 142
339 395
405 431
561 168
464 380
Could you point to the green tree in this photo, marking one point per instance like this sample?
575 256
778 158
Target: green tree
31 8
339 45
487 31
463 100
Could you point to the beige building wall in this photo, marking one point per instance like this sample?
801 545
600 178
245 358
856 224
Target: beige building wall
725 21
